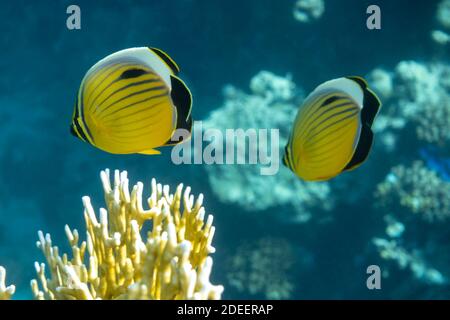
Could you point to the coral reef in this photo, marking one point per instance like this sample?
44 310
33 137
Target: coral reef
416 95
391 250
443 19
116 262
263 267
418 189
443 13
433 123
308 10
6 292
270 105
440 37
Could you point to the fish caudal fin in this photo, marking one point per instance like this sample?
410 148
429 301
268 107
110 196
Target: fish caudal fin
362 149
182 99
371 103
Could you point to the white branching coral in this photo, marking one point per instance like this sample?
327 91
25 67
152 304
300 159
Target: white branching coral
6 292
117 262
272 87
433 123
418 189
263 268
308 10
419 97
391 250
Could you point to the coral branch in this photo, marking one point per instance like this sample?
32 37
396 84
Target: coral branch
116 262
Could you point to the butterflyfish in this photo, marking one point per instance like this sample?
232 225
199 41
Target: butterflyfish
132 101
332 130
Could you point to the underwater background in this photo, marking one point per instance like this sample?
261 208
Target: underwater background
248 63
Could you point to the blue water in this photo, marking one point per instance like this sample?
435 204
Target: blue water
45 171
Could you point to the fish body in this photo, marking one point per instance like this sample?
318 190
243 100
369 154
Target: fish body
132 101
332 130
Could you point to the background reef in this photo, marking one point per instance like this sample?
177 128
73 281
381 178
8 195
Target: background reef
315 240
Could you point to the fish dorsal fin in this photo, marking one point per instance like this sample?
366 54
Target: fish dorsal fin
345 84
362 148
182 99
150 152
359 80
166 59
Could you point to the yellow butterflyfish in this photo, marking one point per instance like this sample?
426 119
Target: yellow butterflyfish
332 130
132 101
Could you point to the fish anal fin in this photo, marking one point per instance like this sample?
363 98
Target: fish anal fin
166 59
362 149
150 152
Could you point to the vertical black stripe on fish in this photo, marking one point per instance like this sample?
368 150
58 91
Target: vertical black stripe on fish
285 157
371 107
80 108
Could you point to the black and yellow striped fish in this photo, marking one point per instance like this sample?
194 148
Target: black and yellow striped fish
332 131
132 101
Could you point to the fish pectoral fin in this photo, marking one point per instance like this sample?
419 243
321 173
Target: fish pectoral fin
362 149
150 152
182 99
